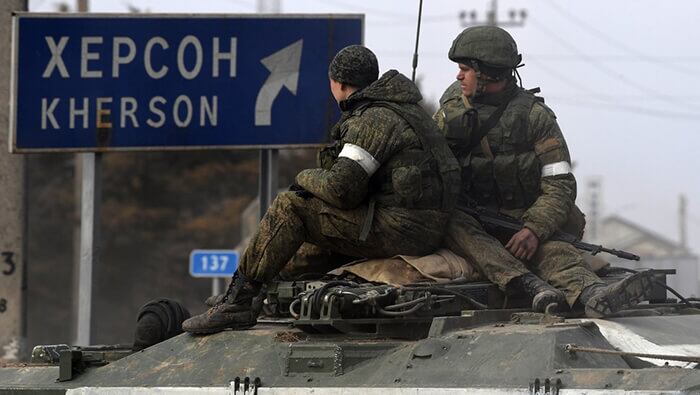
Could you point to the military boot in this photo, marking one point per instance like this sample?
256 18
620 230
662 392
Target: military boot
235 310
542 293
602 300
214 300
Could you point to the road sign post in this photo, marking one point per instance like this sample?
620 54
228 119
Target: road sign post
90 199
113 82
268 180
13 311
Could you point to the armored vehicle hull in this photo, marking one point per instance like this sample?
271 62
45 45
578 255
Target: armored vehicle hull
485 351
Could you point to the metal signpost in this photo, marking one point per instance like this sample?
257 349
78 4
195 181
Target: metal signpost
13 212
112 82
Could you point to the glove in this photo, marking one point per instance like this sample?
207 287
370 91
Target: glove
300 191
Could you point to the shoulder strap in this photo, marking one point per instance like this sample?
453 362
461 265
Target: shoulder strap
492 120
432 141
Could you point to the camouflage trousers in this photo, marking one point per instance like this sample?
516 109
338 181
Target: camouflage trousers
292 221
312 261
558 263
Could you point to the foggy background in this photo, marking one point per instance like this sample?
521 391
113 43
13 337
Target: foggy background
621 77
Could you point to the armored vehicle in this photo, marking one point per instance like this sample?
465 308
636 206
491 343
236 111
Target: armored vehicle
345 336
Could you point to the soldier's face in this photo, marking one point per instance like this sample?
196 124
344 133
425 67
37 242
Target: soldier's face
467 80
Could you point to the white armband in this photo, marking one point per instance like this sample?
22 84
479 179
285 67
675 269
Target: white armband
362 157
555 169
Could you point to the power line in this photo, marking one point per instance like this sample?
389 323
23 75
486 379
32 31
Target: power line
691 98
606 69
607 102
617 58
385 13
517 17
574 83
563 57
652 112
615 43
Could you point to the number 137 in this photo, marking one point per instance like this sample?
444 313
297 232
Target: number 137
213 263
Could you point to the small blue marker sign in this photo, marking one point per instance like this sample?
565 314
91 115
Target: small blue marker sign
213 263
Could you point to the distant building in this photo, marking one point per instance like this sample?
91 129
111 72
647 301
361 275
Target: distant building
656 252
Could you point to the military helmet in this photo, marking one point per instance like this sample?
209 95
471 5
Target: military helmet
490 45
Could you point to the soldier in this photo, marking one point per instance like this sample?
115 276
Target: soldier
515 160
386 187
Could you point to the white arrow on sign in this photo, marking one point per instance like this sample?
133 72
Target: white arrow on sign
284 71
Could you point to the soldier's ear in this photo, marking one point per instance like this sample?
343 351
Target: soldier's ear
349 89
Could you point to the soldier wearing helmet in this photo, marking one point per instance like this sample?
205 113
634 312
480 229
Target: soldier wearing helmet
515 159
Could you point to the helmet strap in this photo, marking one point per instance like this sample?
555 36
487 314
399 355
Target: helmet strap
517 74
480 78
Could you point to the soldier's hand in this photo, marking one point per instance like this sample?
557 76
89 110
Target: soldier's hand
523 244
300 191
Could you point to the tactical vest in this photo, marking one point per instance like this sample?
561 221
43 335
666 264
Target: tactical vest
509 176
420 178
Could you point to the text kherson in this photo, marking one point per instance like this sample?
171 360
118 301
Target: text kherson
122 112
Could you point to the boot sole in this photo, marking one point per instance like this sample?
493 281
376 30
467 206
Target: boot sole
628 292
545 298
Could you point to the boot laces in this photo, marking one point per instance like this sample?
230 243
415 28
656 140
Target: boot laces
230 288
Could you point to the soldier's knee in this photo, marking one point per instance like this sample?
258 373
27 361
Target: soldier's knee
558 248
286 200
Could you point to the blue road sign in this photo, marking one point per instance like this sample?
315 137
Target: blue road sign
134 82
213 263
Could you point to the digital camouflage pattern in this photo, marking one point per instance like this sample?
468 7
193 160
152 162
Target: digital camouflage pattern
354 65
402 205
382 119
508 178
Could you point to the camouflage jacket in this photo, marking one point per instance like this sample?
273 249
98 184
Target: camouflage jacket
387 150
524 169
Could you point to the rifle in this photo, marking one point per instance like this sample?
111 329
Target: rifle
494 218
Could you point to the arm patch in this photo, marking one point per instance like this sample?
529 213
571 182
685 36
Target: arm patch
362 157
546 145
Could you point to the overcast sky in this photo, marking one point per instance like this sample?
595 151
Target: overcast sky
620 75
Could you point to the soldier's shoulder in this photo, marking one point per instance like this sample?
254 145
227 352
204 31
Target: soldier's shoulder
540 110
373 118
451 93
377 113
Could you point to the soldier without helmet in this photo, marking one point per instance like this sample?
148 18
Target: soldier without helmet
515 160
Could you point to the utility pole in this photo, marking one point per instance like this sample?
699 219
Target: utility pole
269 6
471 17
594 187
682 222
13 237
